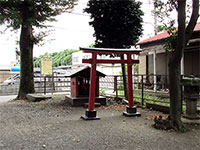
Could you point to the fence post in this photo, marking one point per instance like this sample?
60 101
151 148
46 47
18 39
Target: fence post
52 77
44 85
115 87
142 90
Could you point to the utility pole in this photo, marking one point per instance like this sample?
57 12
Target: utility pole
154 23
155 18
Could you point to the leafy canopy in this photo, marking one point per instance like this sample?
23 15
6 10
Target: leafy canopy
164 11
117 23
14 12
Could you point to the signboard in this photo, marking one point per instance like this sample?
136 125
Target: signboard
46 66
15 67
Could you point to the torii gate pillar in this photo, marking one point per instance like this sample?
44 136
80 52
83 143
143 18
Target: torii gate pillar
131 110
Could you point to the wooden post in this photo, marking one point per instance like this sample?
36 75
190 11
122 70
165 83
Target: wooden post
92 82
52 77
131 110
142 90
115 87
90 113
154 72
45 85
130 82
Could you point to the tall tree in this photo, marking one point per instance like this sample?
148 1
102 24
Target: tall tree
25 15
117 24
178 43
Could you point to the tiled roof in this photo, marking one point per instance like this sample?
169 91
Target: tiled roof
163 35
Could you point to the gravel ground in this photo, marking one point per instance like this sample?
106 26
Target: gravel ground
54 125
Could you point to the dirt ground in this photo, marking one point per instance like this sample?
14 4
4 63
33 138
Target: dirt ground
54 125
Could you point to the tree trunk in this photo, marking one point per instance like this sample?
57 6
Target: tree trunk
124 78
175 95
175 70
26 62
183 37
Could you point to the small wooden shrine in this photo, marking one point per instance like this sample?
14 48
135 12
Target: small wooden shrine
80 84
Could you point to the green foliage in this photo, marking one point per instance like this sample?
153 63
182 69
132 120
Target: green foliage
59 58
120 87
163 11
25 15
170 41
102 92
14 12
136 68
117 24
91 45
161 28
34 13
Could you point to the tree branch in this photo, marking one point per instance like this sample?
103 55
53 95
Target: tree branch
190 27
180 43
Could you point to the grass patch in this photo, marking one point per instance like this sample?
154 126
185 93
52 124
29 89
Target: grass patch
153 99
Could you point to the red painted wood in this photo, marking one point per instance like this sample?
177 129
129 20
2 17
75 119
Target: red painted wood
74 87
94 61
109 49
105 61
130 82
111 52
92 82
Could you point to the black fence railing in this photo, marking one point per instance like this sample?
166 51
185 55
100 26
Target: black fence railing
142 84
53 84
147 88
43 84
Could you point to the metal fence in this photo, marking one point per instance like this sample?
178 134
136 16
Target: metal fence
145 87
43 84
53 84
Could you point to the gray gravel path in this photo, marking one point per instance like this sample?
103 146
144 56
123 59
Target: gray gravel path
54 125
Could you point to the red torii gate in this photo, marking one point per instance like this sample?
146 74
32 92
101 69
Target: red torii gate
131 110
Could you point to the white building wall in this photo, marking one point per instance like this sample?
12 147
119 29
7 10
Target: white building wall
142 64
78 56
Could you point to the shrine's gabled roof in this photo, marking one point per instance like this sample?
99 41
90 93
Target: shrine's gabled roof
83 72
163 35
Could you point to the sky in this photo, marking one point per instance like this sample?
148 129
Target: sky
71 31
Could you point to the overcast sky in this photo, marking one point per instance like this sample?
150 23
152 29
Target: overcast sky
71 31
